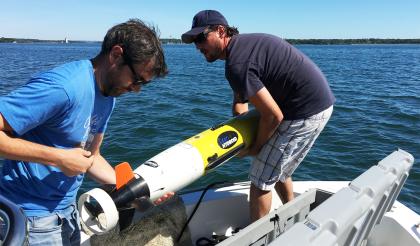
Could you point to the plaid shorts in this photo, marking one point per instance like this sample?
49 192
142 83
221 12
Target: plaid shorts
285 150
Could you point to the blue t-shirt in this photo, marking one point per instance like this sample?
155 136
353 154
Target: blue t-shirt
261 60
61 108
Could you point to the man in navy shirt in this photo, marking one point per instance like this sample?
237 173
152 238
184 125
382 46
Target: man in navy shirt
51 129
289 91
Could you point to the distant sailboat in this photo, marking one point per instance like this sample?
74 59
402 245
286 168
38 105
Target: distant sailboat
66 41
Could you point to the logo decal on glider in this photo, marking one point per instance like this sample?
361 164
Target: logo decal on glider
227 139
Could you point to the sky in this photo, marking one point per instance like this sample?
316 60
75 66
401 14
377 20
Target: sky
301 19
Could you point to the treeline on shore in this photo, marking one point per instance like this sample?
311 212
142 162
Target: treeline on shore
354 41
292 41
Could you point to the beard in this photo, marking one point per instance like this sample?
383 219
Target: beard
115 90
109 89
211 57
213 54
112 87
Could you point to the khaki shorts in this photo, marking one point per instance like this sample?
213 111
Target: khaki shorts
285 150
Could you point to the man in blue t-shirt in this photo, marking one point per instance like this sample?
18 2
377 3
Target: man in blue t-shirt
51 129
289 91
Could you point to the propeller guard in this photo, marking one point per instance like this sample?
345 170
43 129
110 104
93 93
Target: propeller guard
105 221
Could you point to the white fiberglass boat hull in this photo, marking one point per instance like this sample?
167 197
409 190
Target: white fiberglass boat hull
227 207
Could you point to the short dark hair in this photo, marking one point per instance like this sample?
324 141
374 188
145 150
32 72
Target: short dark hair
140 42
230 30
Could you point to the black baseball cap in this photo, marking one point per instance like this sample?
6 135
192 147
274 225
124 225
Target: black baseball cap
200 21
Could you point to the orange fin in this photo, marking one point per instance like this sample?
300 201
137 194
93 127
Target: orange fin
123 173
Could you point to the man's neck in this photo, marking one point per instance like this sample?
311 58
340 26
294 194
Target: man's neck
97 64
226 42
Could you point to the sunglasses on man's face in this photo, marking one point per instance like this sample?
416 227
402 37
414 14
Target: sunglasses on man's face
202 37
137 79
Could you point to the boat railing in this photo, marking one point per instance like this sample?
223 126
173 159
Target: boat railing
282 219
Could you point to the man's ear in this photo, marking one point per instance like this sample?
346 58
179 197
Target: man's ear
116 54
221 30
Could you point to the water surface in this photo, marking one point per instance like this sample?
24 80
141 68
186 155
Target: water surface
377 110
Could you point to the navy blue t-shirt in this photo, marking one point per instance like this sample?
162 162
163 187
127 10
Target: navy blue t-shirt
297 85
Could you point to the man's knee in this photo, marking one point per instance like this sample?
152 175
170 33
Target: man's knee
257 191
285 190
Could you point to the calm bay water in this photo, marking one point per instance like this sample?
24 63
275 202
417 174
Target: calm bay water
377 110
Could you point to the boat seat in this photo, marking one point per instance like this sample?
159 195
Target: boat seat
12 223
347 217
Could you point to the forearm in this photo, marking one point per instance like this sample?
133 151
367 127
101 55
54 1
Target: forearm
101 171
270 118
266 128
19 149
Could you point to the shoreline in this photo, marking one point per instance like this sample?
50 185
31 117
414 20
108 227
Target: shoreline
291 41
